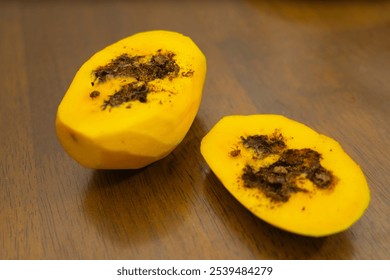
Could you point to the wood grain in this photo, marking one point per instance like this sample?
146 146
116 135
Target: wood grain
323 63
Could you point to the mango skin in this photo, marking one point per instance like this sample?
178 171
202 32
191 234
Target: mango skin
316 213
131 138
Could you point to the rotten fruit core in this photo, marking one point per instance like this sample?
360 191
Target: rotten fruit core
279 180
143 69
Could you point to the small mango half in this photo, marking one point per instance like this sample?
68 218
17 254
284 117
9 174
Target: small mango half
133 102
287 174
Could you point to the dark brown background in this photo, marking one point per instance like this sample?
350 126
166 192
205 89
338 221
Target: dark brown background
323 63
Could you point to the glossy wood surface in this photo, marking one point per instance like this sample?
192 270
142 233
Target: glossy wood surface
323 63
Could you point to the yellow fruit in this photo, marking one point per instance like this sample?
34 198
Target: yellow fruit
287 174
133 102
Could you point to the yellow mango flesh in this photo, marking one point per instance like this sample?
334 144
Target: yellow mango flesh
134 133
313 212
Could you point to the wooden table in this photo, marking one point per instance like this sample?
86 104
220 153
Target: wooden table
323 63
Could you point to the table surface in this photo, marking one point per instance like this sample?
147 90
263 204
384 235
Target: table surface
322 63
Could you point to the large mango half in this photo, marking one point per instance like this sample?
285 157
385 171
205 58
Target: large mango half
133 102
287 174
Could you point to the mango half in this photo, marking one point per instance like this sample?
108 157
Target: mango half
133 102
287 174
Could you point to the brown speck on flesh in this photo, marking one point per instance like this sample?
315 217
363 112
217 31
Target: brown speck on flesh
321 177
94 94
235 152
187 74
129 92
264 145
